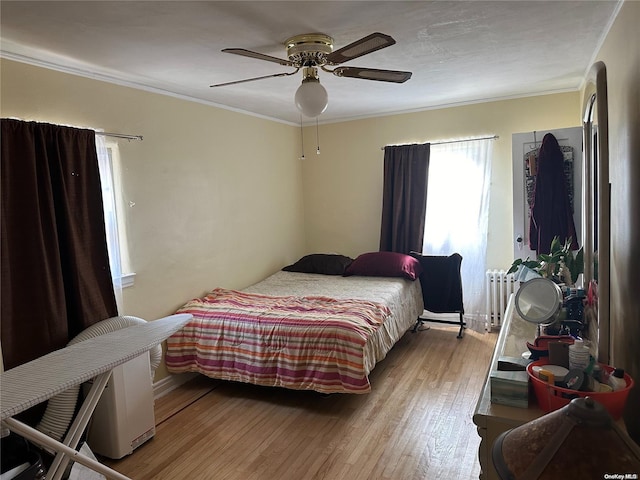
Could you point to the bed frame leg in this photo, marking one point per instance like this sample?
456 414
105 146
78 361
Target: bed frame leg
419 323
415 327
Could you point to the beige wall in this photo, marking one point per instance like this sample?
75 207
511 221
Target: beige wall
343 186
621 55
218 194
221 198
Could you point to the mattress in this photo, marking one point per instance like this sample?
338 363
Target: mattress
268 343
403 297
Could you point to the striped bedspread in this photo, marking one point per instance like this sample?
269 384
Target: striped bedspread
304 343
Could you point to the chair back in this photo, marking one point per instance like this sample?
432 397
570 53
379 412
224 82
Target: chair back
441 282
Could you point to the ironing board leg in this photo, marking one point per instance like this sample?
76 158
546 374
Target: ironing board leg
65 452
41 439
79 424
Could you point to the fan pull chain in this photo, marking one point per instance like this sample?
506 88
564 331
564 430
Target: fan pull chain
317 138
301 139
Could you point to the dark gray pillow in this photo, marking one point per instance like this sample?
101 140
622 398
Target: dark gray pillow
324 263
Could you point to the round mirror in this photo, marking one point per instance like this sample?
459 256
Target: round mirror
538 300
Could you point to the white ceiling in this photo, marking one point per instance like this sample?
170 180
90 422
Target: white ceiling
459 52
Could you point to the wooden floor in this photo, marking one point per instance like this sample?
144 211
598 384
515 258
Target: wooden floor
415 423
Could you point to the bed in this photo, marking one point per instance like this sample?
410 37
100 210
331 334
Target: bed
299 329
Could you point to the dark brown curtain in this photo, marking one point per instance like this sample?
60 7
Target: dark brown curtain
56 279
404 200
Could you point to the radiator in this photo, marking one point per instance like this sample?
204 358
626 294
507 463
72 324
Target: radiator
499 287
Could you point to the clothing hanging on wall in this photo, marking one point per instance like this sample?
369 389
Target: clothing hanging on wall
551 206
531 170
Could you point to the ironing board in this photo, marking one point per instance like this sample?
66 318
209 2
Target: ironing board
37 381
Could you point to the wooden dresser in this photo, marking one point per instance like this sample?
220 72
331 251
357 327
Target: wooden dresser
492 419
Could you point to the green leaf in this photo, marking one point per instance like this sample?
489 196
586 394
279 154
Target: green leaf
556 257
578 266
514 266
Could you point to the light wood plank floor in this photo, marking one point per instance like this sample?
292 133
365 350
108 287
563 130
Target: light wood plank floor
415 424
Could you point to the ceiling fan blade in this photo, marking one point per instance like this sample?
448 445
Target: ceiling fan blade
259 56
394 76
284 74
365 45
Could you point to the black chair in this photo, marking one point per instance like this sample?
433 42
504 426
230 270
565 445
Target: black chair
441 288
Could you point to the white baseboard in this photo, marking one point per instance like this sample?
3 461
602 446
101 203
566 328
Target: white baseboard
171 382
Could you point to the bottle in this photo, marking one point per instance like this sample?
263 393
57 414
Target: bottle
597 374
578 355
616 379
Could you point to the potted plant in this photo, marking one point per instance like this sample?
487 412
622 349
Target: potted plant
561 264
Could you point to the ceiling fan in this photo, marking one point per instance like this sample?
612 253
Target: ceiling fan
311 51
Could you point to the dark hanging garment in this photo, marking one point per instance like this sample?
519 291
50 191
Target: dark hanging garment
551 213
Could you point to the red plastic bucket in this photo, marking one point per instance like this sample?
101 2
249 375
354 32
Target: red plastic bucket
552 398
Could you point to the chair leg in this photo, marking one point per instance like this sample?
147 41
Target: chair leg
462 327
421 322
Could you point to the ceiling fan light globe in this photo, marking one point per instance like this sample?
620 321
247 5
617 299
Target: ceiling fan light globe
311 98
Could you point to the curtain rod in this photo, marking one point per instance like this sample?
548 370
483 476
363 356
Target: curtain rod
120 135
494 137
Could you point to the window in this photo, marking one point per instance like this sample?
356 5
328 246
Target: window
109 164
457 214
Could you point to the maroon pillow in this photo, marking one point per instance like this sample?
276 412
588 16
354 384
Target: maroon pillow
385 264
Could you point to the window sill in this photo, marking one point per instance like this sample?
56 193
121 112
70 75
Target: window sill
127 279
